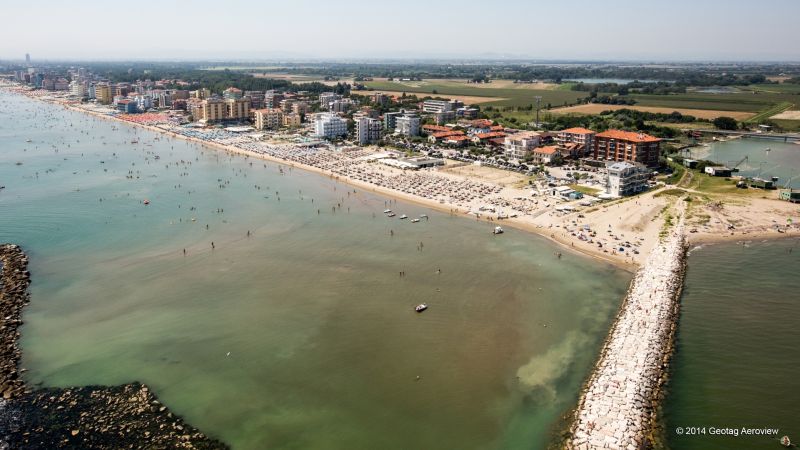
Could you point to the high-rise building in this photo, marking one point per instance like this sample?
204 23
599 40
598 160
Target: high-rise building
268 119
407 125
237 109
618 145
327 125
102 92
28 59
368 130
212 110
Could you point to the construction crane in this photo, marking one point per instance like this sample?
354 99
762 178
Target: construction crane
735 167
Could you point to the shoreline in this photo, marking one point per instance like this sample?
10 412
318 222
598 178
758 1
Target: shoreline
619 262
76 417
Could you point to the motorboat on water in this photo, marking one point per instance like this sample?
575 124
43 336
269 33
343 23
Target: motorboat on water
404 216
497 230
387 211
421 307
391 215
414 220
146 202
423 216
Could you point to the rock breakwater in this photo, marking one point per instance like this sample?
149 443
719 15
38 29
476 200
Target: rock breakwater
93 417
620 401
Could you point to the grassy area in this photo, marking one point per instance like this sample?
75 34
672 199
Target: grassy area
769 112
788 125
723 102
678 171
585 190
510 96
674 192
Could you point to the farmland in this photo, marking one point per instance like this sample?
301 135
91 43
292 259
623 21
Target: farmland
505 96
597 108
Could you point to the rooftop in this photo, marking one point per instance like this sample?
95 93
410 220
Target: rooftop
577 130
628 136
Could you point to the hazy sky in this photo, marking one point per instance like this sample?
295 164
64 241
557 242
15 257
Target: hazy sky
554 29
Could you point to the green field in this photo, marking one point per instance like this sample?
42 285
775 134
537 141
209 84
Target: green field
741 101
513 96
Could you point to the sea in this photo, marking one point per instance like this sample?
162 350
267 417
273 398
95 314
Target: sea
274 308
735 365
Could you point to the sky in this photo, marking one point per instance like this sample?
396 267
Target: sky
588 30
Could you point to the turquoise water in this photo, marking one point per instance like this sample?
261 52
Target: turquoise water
782 160
737 353
301 335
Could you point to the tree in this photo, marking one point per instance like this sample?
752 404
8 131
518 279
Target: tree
726 123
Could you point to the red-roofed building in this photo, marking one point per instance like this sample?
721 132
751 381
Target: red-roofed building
429 129
545 155
618 145
436 137
457 140
481 138
583 137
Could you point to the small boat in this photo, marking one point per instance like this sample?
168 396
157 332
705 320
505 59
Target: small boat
497 230
28 140
404 216
786 442
391 215
387 211
146 202
421 307
423 216
414 220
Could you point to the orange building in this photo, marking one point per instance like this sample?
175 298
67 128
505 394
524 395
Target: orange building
618 145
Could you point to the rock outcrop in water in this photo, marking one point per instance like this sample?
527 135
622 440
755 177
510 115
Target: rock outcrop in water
619 405
93 417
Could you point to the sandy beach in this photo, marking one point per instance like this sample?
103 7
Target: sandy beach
620 232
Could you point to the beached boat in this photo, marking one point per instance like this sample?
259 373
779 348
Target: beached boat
421 307
404 216
497 230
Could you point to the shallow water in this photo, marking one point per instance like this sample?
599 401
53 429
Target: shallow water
736 358
303 334
782 160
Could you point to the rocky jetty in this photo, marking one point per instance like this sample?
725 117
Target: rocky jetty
92 417
618 407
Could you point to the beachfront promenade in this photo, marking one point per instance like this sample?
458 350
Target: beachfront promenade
617 406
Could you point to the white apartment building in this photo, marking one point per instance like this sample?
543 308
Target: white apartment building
520 145
626 178
368 130
327 125
77 89
440 106
407 125
326 98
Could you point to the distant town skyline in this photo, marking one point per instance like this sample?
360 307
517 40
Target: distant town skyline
710 30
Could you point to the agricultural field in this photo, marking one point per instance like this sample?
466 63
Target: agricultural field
597 108
467 99
508 96
754 101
